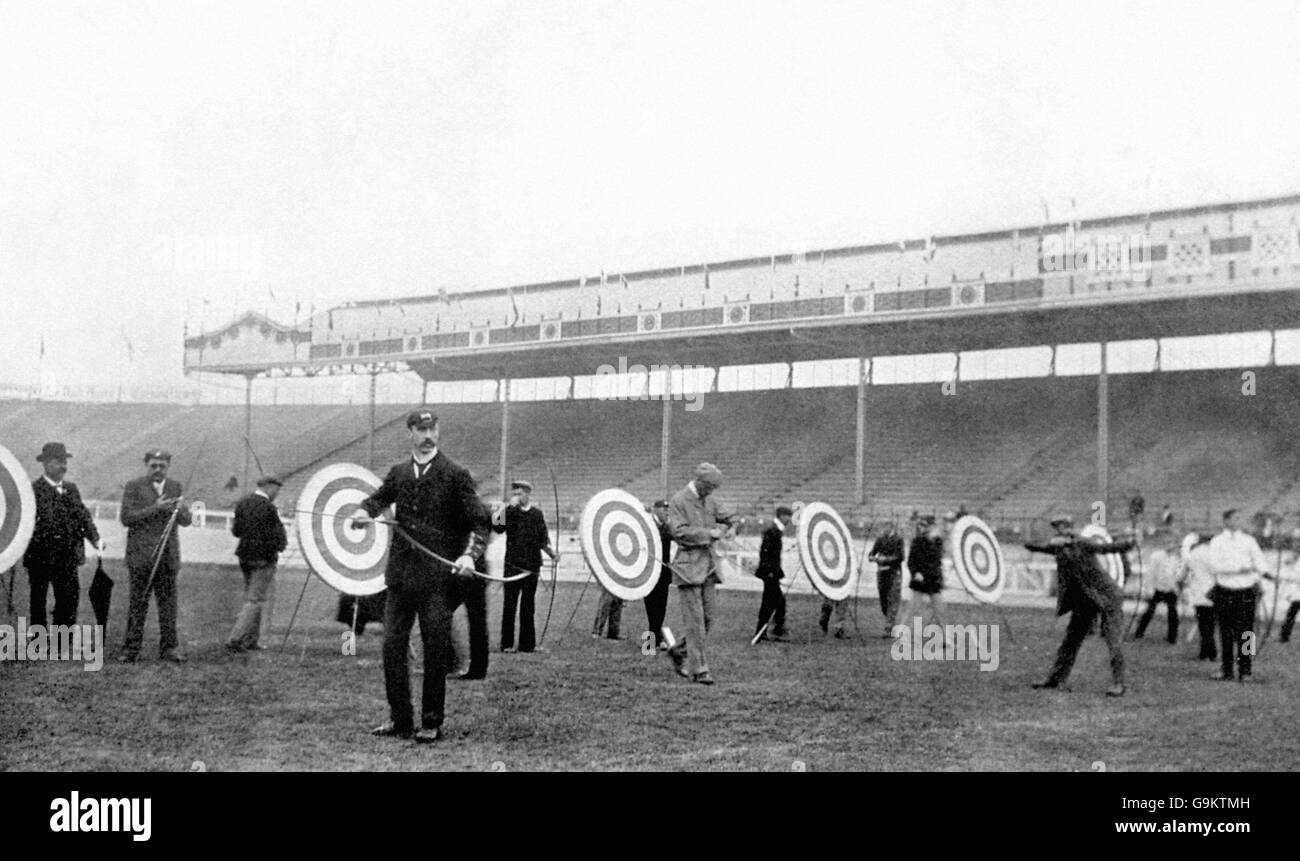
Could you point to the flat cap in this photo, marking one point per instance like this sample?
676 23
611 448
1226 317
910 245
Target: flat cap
157 454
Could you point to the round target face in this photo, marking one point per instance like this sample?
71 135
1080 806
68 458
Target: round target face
1110 562
620 542
977 559
17 509
350 560
826 550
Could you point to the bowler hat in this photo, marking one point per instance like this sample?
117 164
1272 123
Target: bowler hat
53 450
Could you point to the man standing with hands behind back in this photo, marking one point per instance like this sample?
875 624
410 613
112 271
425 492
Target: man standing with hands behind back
437 507
148 503
57 547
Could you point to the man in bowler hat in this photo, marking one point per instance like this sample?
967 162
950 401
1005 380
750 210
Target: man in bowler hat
57 547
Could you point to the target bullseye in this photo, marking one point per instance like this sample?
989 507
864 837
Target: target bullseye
350 560
620 542
17 509
826 550
977 559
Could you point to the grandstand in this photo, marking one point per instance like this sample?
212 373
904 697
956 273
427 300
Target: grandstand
1012 372
1012 450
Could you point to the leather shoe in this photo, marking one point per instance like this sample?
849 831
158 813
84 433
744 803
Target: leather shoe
173 657
391 730
1038 686
1115 691
471 677
703 679
1220 677
428 735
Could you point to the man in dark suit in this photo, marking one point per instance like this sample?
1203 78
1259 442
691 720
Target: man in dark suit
887 553
656 603
57 547
438 507
473 594
152 508
770 572
1086 592
262 539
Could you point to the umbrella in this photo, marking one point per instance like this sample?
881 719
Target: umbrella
101 594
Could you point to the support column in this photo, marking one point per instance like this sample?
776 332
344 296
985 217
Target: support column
1103 432
861 440
505 438
248 425
370 437
666 438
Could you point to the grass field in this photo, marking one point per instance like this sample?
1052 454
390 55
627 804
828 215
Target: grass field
814 703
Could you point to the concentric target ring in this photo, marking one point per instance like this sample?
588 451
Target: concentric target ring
350 560
1111 562
977 559
620 542
17 510
826 550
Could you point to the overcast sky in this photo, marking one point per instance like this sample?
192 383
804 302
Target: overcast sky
315 153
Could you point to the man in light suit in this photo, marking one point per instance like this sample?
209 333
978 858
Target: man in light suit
57 548
697 521
148 504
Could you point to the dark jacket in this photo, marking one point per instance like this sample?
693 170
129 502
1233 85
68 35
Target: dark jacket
62 527
145 524
925 561
259 529
665 547
526 535
441 510
887 552
769 553
1081 581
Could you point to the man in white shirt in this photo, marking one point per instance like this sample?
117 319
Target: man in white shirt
1163 569
1198 574
1238 564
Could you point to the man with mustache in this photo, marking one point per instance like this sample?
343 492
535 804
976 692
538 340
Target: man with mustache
57 547
148 504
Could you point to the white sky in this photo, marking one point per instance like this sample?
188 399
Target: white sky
331 152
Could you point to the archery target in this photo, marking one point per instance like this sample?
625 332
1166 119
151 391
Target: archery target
350 560
977 559
620 542
826 550
17 510
1110 562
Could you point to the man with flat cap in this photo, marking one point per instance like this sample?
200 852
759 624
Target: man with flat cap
262 539
1086 592
527 538
697 522
438 513
57 547
153 553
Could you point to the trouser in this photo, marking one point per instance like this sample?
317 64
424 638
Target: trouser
67 593
1205 618
841 611
889 582
1289 623
521 594
1081 621
473 594
259 590
772 607
1236 611
609 617
400 612
1170 600
656 605
164 591
697 618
